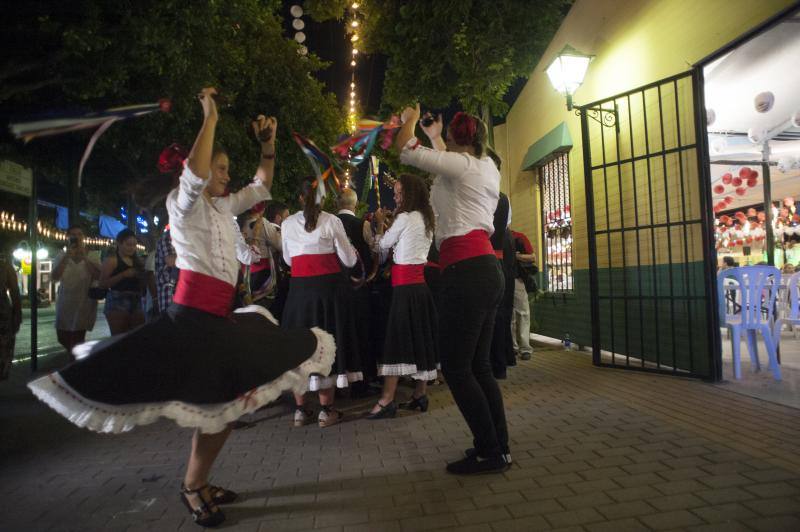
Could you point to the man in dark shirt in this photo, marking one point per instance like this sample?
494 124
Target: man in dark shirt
359 232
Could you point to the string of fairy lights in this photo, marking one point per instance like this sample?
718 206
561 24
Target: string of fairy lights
352 23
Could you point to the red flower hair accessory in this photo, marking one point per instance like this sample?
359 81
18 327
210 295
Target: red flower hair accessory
463 128
171 159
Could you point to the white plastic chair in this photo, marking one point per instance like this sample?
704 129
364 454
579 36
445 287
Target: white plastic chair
793 311
757 289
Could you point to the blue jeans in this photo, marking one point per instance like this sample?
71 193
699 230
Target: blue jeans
129 302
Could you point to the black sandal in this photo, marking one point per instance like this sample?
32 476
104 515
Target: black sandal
420 402
205 515
221 495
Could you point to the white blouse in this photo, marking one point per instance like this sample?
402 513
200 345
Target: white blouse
408 236
74 310
328 237
465 191
203 232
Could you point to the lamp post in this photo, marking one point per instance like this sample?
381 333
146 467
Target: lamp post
566 73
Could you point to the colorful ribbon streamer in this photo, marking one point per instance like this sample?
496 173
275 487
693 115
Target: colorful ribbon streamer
357 148
58 125
320 162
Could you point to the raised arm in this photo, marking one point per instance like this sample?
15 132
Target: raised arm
264 129
409 117
434 133
199 161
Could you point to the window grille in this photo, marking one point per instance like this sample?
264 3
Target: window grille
556 224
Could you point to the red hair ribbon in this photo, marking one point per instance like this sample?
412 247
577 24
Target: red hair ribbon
171 159
259 207
463 128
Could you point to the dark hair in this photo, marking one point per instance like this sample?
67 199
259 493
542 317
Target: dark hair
728 260
417 198
75 226
124 235
274 209
494 157
218 150
311 210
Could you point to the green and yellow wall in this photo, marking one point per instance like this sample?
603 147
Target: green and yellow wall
635 43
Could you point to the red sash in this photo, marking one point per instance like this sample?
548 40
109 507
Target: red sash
498 253
458 248
204 292
263 264
403 274
313 265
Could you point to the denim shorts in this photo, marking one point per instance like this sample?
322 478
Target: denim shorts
129 302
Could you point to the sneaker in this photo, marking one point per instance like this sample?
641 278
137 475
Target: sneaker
469 453
525 356
475 465
302 417
329 417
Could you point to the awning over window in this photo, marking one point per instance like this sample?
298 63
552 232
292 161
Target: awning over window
558 140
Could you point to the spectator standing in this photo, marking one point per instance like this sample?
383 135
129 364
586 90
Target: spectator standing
521 318
10 316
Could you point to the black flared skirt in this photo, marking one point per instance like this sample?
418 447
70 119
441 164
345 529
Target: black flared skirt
198 369
327 302
411 334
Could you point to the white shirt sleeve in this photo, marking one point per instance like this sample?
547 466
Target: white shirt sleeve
447 164
285 249
238 202
385 242
246 254
190 188
345 250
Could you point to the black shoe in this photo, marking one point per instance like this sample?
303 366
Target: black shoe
207 514
386 411
472 451
475 465
420 402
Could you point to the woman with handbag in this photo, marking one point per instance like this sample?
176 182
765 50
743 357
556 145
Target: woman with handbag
199 364
76 310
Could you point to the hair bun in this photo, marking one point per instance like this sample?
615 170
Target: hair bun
463 128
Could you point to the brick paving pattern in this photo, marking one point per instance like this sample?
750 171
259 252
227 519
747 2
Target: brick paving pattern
594 449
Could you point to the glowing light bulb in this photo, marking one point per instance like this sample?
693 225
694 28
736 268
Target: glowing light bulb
354 38
353 62
354 24
355 51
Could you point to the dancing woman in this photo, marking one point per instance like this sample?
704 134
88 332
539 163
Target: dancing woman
319 296
198 364
464 196
410 344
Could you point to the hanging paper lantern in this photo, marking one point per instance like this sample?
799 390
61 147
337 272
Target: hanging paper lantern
728 200
761 216
726 178
751 212
753 174
752 182
719 189
741 191
749 239
737 181
740 215
744 172
739 242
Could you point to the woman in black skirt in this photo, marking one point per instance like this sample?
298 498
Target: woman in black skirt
313 243
198 364
410 346
464 196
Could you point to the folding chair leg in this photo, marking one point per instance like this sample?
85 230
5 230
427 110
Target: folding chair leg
752 347
772 353
736 341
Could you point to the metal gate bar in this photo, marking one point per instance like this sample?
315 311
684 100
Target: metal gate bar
671 310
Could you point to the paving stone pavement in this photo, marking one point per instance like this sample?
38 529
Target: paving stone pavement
594 449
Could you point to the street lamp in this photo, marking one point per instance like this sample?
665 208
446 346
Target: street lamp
567 71
566 74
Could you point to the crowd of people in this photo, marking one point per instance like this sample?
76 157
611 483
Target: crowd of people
309 302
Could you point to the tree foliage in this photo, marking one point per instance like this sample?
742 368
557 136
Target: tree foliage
457 51
93 55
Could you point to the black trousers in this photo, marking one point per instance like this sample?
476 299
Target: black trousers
471 291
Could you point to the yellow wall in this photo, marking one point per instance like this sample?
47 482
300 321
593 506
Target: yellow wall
635 42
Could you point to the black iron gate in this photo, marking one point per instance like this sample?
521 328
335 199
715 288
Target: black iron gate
649 229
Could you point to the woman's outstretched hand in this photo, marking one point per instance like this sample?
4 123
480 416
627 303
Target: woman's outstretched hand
410 114
264 128
434 130
206 98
